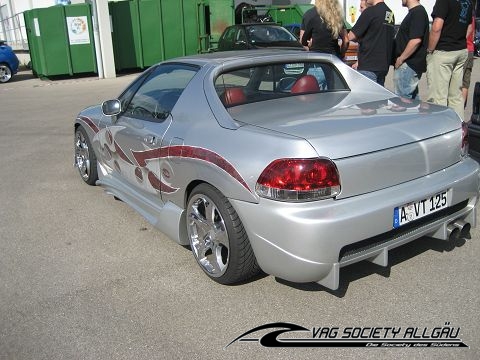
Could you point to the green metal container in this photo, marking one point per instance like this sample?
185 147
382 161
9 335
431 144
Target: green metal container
125 34
60 40
145 32
221 13
81 42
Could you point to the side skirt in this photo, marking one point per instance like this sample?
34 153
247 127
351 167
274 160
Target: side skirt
166 217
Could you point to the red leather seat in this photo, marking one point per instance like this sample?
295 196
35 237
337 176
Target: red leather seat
305 84
233 96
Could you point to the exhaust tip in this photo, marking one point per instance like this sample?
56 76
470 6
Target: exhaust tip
453 232
464 228
465 233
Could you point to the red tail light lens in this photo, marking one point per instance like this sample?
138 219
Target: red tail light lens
299 180
464 138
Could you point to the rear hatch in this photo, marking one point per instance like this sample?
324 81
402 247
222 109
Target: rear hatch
375 145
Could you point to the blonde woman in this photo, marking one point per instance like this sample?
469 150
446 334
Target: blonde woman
323 26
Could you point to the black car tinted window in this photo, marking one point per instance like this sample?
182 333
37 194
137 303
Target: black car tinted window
278 80
158 94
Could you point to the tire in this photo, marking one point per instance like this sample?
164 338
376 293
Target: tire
85 159
217 237
5 73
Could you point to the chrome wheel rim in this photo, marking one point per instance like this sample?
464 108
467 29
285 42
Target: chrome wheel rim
5 73
82 156
208 235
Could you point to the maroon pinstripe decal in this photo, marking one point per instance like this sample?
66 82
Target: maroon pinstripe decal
159 185
142 156
90 123
190 152
109 137
121 153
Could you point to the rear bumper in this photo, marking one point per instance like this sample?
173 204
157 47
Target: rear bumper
310 242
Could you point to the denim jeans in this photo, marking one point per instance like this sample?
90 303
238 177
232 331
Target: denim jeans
377 76
406 81
320 76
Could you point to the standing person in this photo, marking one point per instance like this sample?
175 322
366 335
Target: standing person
322 26
447 52
411 50
363 5
467 68
374 30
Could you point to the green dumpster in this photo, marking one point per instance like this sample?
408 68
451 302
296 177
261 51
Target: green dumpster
60 40
145 32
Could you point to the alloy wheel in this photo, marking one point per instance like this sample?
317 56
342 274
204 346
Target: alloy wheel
208 235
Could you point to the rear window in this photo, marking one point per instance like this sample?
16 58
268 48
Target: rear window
274 81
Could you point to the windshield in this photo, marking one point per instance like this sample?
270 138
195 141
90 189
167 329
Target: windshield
269 34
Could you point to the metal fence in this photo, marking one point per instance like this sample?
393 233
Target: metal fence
12 29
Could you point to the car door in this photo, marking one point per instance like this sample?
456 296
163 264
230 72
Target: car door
241 41
136 135
227 39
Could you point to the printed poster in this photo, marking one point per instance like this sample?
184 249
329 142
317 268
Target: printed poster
78 30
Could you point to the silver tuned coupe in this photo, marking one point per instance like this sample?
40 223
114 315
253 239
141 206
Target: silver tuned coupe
283 161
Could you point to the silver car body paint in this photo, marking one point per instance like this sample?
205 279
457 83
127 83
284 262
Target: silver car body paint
385 159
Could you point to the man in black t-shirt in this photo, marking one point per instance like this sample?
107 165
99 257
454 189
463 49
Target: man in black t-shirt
447 52
374 30
411 50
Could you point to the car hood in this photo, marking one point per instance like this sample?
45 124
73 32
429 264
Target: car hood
340 125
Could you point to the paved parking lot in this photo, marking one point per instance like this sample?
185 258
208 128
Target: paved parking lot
82 276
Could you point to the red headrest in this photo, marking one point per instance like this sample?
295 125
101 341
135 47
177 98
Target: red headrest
233 96
305 84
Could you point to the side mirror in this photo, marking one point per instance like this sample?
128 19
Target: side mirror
476 104
111 107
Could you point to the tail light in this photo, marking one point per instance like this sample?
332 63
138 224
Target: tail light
464 138
297 180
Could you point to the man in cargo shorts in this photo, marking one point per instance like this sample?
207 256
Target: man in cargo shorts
447 52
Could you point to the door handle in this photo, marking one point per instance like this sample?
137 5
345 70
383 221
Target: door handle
150 139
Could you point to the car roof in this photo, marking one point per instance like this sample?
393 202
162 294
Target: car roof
273 54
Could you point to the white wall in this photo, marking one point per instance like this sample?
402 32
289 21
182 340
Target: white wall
400 12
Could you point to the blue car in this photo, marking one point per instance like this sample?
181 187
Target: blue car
8 62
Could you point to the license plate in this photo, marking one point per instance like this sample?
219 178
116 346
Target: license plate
416 210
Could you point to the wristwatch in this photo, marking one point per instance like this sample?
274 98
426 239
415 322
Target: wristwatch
430 51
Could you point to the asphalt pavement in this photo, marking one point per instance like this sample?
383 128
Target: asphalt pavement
82 276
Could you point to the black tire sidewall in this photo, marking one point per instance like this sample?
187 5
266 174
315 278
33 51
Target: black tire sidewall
11 73
93 175
231 275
